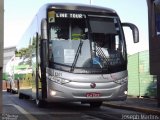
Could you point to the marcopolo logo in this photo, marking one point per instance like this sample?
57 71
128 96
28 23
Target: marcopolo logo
93 85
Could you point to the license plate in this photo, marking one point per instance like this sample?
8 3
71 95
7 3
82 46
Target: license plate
92 94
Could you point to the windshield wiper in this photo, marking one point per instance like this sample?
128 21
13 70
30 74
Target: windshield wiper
76 56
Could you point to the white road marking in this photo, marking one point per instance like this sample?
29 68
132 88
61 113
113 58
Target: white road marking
27 114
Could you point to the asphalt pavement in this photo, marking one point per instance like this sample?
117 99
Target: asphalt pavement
144 105
10 112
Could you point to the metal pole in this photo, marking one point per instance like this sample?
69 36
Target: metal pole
158 90
151 23
1 89
1 47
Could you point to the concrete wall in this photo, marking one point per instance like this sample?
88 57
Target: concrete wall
140 82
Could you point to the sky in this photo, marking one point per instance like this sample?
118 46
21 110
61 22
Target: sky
18 14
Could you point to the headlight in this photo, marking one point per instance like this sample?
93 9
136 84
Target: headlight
61 80
122 80
58 79
52 93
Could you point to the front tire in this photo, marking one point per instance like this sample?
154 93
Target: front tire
40 103
21 96
8 90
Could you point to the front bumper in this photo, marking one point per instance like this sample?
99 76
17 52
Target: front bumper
75 91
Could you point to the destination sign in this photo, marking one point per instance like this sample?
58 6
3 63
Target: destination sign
52 15
69 15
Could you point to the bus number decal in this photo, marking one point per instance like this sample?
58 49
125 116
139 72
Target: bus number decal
58 74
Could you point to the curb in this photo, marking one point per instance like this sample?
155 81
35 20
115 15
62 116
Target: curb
138 109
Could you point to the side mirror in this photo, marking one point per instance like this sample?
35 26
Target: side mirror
44 29
134 29
43 53
43 44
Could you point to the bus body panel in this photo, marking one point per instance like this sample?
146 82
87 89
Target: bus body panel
78 86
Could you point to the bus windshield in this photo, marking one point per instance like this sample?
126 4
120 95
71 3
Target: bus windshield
86 42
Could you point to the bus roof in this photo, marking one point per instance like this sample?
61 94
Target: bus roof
79 7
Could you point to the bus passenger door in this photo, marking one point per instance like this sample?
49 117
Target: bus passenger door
43 57
43 64
36 83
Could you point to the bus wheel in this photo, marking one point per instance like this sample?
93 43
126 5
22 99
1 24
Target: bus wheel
21 96
13 91
95 104
40 103
8 90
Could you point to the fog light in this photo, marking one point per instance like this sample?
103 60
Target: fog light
125 92
52 93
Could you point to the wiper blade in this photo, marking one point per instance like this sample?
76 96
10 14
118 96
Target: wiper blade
76 56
